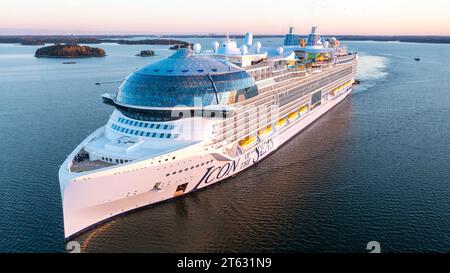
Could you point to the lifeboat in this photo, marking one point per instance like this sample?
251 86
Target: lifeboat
293 117
247 141
281 123
303 109
265 131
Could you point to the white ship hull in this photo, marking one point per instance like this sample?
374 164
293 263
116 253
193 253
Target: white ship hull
96 197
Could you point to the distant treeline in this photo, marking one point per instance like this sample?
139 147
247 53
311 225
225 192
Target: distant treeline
379 38
42 40
406 39
150 42
171 40
62 39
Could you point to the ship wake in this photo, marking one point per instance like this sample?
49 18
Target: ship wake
371 71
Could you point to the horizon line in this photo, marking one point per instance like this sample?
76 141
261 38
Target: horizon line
222 34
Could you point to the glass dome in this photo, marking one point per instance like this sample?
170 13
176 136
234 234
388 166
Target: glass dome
185 79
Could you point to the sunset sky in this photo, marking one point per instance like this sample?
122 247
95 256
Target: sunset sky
201 16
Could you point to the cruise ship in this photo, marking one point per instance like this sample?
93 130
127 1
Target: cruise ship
197 118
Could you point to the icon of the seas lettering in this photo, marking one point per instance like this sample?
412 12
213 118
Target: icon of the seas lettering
215 173
263 150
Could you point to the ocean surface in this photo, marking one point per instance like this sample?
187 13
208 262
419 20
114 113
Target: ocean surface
375 168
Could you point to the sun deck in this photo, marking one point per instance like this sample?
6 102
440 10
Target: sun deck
102 152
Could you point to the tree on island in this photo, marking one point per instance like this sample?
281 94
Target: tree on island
69 51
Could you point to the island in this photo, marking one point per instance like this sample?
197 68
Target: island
69 51
146 53
178 46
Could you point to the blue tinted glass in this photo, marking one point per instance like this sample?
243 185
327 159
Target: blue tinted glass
170 91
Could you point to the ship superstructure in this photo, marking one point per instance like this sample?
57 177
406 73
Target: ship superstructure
196 118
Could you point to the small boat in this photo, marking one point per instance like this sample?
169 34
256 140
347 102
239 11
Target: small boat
247 141
69 62
417 59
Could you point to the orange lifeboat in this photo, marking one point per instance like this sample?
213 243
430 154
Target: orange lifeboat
303 110
293 116
265 131
281 123
247 141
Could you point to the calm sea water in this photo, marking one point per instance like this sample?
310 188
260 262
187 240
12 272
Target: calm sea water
374 168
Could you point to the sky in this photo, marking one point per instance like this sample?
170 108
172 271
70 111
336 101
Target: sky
358 17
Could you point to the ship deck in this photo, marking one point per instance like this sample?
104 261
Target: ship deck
88 165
